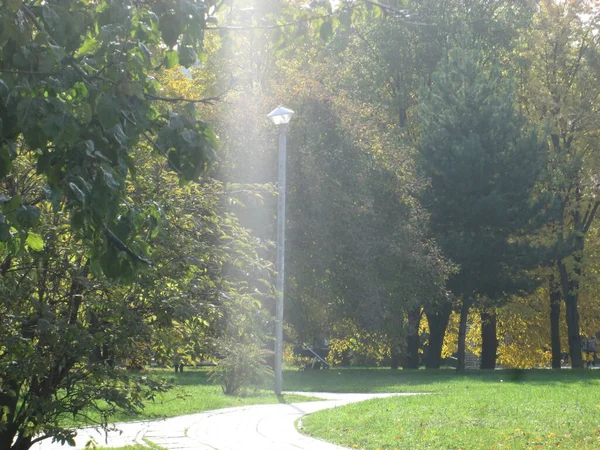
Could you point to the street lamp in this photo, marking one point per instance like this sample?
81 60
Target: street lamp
281 117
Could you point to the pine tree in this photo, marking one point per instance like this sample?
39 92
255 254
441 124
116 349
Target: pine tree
482 163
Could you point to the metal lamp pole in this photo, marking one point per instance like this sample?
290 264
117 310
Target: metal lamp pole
280 117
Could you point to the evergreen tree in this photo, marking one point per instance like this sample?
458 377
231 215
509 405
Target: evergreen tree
482 164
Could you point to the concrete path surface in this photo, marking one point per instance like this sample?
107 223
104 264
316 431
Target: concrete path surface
258 427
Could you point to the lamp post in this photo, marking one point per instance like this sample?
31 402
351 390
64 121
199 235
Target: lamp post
281 117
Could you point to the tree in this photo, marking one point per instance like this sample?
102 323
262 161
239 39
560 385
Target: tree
383 61
357 249
97 182
55 317
560 89
67 332
77 98
209 276
482 165
78 95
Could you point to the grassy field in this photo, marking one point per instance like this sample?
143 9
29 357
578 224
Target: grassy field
479 409
491 410
150 446
192 392
128 447
135 447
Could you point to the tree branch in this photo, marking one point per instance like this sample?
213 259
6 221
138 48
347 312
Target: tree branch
153 144
28 72
272 27
52 41
161 151
400 14
206 101
113 239
589 217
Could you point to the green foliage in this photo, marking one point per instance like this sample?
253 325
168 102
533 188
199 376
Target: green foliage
98 178
491 410
559 67
190 392
134 447
78 96
208 278
66 330
360 243
240 366
357 243
483 164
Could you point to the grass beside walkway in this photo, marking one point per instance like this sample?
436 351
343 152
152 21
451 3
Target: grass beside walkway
479 409
134 447
192 393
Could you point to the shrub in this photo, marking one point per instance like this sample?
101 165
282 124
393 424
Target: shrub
241 366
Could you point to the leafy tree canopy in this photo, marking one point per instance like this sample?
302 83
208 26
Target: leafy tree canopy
78 94
483 162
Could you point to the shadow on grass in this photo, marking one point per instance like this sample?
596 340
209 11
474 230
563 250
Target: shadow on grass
191 377
386 380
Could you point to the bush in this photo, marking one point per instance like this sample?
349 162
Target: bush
241 366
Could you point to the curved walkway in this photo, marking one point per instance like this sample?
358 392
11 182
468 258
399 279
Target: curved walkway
260 427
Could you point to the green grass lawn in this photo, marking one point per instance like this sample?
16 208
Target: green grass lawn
479 409
135 447
192 392
150 446
128 447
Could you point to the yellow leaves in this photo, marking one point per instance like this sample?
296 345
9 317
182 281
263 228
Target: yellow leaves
451 338
524 329
351 337
423 325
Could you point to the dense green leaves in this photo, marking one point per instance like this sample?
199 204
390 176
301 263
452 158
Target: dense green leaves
483 162
73 330
77 93
105 151
78 96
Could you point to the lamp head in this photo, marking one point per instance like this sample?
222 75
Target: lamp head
281 115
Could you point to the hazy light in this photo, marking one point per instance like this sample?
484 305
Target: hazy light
281 115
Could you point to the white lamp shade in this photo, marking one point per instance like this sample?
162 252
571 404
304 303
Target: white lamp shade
281 115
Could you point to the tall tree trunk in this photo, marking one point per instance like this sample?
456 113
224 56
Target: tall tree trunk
573 332
570 292
437 318
462 335
489 339
569 279
555 299
411 359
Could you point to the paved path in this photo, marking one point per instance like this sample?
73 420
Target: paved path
259 427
